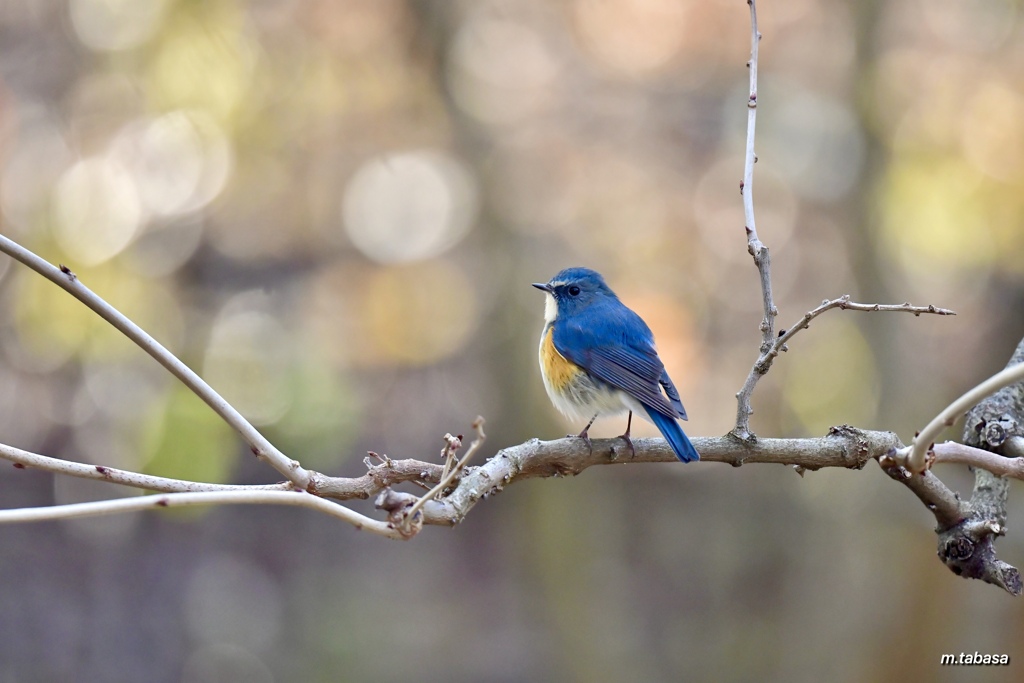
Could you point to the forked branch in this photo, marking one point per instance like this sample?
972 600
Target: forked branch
768 355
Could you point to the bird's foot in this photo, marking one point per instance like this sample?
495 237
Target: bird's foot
586 439
585 435
629 442
625 436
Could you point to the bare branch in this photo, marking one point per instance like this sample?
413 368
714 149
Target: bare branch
953 452
410 522
767 357
754 245
996 423
841 447
967 530
169 500
67 280
915 455
26 459
382 476
929 489
770 346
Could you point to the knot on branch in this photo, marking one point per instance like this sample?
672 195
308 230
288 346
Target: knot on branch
398 506
968 550
957 550
994 431
755 248
858 450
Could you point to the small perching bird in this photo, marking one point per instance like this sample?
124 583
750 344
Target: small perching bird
598 357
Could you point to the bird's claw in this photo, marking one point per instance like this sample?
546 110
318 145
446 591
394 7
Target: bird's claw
586 439
629 442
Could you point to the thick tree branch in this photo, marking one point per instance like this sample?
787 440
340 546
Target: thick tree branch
842 447
937 497
967 529
996 424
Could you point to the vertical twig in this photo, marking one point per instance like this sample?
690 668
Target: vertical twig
754 245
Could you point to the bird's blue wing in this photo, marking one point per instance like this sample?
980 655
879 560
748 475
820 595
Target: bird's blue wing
617 347
619 369
673 394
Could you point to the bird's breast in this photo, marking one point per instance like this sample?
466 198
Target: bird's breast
571 389
559 373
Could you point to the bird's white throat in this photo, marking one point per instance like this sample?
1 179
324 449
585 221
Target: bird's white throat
550 308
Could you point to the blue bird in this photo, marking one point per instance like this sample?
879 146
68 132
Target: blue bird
598 358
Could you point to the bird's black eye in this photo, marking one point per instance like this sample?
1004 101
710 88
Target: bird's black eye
574 291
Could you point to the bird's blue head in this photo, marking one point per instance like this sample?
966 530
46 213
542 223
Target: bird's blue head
572 291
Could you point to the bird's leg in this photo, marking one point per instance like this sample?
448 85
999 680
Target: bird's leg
625 437
584 434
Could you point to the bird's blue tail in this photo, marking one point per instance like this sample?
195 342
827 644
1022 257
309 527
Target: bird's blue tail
673 433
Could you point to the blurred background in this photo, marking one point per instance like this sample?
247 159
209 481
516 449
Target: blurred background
332 210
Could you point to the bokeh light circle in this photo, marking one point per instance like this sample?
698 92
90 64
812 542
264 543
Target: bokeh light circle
180 161
410 206
110 25
96 210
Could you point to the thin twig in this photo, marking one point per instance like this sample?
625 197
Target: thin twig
747 187
148 482
843 303
951 452
754 245
914 457
410 517
764 361
169 500
67 280
449 453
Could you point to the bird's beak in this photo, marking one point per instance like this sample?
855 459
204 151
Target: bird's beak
543 285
